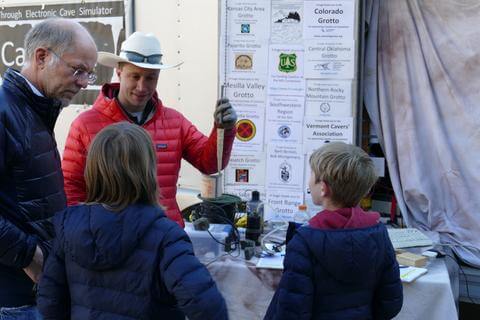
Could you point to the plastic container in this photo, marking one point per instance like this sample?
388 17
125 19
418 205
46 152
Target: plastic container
254 218
204 246
301 216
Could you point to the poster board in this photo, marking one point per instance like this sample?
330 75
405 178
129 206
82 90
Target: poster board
290 68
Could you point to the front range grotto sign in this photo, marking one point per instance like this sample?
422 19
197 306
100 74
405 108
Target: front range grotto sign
104 20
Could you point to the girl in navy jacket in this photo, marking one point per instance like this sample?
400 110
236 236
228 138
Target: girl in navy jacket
118 256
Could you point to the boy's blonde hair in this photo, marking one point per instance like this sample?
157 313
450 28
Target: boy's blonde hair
121 167
346 169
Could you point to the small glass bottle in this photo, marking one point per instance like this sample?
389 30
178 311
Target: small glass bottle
254 217
301 216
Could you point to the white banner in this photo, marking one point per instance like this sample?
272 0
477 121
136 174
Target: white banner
247 171
104 21
286 21
330 98
246 21
281 205
329 59
250 130
318 131
286 71
329 19
284 167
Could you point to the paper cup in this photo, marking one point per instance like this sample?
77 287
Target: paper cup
211 186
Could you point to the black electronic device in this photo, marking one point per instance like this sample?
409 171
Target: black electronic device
201 224
217 210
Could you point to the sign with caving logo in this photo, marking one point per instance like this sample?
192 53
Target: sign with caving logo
284 131
245 28
104 20
241 175
285 171
287 62
325 107
284 166
245 130
243 61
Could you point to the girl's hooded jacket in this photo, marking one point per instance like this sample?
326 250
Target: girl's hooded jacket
132 264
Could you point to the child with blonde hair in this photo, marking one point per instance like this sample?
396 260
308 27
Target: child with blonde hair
118 256
342 264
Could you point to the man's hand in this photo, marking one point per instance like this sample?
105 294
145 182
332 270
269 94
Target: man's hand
225 116
34 269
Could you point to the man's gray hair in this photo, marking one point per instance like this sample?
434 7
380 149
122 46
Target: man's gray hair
52 34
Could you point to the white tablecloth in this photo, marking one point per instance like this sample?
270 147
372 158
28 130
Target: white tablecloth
248 291
430 296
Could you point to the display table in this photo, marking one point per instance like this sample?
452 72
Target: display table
248 290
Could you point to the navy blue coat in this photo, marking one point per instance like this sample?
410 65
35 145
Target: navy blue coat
338 274
31 183
134 264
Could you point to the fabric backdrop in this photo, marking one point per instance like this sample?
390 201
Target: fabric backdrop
422 91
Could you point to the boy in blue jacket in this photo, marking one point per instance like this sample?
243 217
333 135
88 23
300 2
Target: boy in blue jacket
118 256
342 265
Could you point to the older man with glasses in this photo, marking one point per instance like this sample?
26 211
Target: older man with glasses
135 99
59 59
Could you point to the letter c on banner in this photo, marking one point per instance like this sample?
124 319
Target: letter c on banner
20 58
4 48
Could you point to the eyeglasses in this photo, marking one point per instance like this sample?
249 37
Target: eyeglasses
78 73
137 57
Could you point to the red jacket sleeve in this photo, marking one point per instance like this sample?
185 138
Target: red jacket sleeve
73 162
201 151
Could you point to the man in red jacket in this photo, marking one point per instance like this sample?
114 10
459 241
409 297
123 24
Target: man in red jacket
134 99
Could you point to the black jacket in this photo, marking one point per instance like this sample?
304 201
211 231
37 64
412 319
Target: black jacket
132 264
31 183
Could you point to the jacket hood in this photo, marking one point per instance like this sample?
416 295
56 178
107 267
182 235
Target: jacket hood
47 109
109 91
100 239
349 255
344 218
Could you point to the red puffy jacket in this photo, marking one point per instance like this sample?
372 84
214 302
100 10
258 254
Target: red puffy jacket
174 138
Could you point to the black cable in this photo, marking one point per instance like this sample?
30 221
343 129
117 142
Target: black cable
215 239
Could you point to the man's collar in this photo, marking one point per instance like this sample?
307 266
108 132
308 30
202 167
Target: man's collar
34 89
146 112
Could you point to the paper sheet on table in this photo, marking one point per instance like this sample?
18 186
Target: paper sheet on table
271 262
409 274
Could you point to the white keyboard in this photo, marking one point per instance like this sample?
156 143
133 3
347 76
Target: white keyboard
408 237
